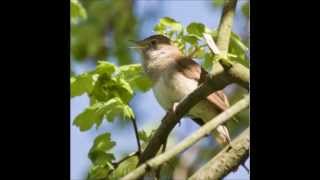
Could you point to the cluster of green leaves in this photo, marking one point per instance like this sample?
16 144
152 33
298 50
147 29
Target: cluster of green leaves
190 41
110 90
101 35
101 159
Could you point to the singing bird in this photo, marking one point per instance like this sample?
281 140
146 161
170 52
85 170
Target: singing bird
175 76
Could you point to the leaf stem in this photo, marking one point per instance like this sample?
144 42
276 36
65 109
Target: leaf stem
135 127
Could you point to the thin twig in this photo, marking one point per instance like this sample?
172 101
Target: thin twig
135 127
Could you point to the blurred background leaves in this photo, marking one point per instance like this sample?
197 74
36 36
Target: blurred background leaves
105 31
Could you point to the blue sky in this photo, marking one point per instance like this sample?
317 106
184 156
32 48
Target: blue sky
146 108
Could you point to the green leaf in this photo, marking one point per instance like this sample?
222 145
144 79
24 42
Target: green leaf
77 12
104 67
143 136
115 111
128 71
111 107
169 22
101 158
208 61
123 90
102 143
105 89
135 76
124 168
100 90
95 113
91 115
159 28
81 84
128 112
237 43
109 87
196 29
190 39
237 50
98 172
119 110
115 107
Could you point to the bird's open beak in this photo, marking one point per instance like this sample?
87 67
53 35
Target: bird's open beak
138 44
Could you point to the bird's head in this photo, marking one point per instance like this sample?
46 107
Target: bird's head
156 46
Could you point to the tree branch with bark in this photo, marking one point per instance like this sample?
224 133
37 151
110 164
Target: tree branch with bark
226 160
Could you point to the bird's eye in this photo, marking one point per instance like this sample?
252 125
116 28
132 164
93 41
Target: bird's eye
153 42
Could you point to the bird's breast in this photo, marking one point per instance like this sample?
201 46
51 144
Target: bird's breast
172 87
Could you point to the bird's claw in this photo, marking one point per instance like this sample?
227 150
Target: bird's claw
173 111
174 107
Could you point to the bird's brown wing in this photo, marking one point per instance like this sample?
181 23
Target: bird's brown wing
193 70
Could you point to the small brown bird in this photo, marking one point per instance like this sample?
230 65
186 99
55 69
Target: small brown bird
175 76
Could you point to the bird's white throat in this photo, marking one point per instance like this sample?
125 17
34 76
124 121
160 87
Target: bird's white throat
158 60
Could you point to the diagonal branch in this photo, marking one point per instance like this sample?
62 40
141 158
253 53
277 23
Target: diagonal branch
227 160
189 141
